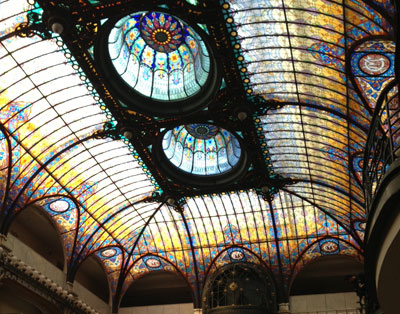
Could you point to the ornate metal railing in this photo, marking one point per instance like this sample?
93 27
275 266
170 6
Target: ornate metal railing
383 143
354 311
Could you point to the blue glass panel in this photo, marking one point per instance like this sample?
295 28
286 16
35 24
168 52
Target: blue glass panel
193 2
201 149
159 55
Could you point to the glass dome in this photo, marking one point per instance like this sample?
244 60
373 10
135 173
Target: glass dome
201 149
159 55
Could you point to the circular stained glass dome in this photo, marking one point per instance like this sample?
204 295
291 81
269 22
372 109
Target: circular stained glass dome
157 56
203 151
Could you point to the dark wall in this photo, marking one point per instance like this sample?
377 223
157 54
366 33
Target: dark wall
155 288
34 228
327 274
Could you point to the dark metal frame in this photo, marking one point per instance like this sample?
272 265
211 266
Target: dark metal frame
217 297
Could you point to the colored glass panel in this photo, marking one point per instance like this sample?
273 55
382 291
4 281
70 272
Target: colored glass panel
159 55
372 65
51 113
201 149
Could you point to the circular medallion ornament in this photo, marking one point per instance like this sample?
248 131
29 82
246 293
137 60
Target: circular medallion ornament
237 255
362 226
108 253
153 263
59 206
329 247
374 64
161 31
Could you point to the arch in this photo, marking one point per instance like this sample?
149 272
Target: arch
22 191
92 274
111 266
240 287
326 274
98 232
209 272
37 229
162 266
296 269
170 289
128 264
66 234
163 259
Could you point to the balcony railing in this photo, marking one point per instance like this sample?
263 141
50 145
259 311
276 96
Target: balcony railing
383 144
355 311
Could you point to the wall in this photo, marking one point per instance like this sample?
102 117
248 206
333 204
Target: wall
12 304
185 308
33 259
332 303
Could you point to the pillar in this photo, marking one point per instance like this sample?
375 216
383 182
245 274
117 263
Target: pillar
3 243
284 308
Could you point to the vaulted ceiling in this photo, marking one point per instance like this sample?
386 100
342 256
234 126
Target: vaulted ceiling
295 81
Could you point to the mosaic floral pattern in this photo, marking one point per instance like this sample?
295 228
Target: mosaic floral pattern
359 226
373 68
159 55
161 32
201 149
112 259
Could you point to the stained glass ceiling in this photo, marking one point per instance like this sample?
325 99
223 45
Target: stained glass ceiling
154 56
299 85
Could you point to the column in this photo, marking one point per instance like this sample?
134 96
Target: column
284 308
3 243
4 250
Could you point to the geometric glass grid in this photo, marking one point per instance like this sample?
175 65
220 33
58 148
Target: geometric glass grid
295 53
47 107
